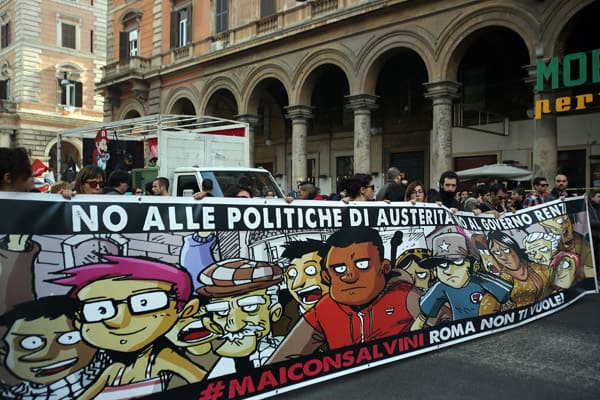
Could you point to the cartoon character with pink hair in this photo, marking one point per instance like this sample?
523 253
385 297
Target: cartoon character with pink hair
100 155
127 305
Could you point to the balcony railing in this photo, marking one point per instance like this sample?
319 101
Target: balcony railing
319 7
181 52
128 66
266 24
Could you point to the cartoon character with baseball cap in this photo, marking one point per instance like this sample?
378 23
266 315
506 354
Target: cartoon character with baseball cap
100 155
243 306
457 284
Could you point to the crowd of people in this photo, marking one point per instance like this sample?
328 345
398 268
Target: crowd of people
488 196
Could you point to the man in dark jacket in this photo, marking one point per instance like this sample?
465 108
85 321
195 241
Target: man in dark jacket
560 188
118 182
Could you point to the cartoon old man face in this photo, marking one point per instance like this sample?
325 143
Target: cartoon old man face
243 302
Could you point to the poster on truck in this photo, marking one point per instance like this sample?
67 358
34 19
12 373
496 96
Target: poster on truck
123 297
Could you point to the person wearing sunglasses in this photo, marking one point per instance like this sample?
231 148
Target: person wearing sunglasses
90 180
539 193
127 305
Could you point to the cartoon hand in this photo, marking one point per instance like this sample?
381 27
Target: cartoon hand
508 305
18 242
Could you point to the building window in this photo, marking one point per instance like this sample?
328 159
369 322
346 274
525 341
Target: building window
181 27
222 16
68 37
5 34
267 8
129 45
133 43
71 93
5 89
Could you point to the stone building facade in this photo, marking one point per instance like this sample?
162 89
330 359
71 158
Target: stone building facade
332 87
50 61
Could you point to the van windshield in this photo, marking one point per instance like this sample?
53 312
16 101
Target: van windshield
261 184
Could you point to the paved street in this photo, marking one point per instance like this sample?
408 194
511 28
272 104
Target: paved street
557 357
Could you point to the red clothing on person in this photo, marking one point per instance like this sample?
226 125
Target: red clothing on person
388 315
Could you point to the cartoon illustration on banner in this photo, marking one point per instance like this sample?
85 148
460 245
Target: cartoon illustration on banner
104 300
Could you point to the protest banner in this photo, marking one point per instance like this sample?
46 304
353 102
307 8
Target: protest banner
243 298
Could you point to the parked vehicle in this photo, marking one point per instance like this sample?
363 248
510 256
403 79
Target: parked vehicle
190 149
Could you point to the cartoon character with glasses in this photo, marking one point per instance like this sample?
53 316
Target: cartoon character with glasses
457 284
126 305
44 350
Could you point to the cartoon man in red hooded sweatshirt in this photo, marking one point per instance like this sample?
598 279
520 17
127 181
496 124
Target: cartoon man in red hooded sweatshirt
100 154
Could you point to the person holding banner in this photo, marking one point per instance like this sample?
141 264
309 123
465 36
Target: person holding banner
16 174
359 187
447 191
90 180
415 193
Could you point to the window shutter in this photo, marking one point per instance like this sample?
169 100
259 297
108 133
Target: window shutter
189 24
174 23
3 91
8 33
4 35
267 8
68 36
78 94
123 46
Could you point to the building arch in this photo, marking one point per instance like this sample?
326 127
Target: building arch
458 35
379 49
129 16
130 106
70 71
71 148
250 92
181 93
226 83
553 29
305 76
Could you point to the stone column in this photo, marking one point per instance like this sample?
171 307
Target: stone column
253 121
442 94
362 104
545 132
299 114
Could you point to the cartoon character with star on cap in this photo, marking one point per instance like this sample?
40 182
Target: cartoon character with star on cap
457 284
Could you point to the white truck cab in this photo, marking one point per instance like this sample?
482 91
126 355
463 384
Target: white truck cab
188 180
